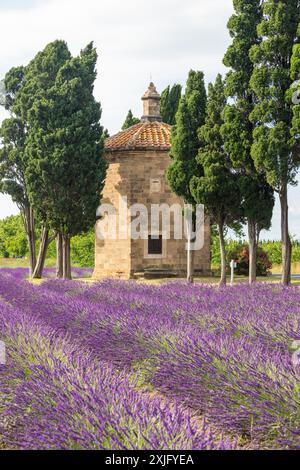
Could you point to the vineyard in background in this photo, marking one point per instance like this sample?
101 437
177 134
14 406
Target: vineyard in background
269 254
13 244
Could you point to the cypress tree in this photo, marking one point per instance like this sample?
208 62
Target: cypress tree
184 136
218 189
24 86
170 98
294 93
12 158
258 199
185 143
65 172
275 150
130 121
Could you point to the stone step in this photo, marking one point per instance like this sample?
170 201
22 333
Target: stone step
157 273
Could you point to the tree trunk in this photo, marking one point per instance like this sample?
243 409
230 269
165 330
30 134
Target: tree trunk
223 255
29 223
66 257
59 256
190 263
39 267
253 242
285 237
190 253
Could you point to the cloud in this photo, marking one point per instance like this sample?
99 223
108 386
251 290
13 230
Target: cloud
294 217
19 4
134 39
7 207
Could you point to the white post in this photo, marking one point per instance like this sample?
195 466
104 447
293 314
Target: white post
189 253
232 266
189 230
2 353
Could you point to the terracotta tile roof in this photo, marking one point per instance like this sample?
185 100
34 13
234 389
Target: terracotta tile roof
142 136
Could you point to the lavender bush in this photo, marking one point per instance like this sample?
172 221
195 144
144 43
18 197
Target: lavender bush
55 396
223 355
22 273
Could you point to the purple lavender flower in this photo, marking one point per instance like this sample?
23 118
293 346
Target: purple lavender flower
130 366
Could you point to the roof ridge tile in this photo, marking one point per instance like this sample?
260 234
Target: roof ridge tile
136 135
142 136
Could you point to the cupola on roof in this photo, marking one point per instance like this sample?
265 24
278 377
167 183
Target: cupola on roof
151 101
150 134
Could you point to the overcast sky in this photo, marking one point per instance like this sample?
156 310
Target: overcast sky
136 40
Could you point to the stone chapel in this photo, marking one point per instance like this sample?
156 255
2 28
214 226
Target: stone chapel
138 158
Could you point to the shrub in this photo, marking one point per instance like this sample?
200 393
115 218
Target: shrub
83 250
241 255
13 241
273 249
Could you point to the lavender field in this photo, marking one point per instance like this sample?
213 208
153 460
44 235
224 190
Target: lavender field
121 365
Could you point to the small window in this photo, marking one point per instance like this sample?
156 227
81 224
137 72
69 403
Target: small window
155 185
155 245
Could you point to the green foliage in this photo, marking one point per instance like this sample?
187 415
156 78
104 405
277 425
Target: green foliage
218 189
12 83
170 98
13 243
51 154
237 131
295 75
184 137
105 134
274 149
242 27
38 78
13 141
273 250
230 245
13 240
12 164
83 250
241 255
65 171
276 145
130 121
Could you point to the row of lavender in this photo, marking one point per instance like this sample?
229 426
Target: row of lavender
222 353
54 395
23 273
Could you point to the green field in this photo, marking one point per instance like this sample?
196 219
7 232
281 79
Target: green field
22 263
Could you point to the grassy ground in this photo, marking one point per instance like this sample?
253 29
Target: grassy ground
215 280
22 263
277 268
50 263
199 280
